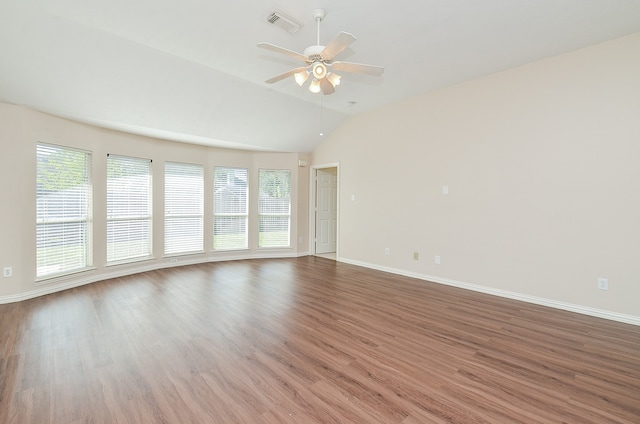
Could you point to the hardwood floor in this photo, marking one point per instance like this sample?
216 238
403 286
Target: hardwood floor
307 340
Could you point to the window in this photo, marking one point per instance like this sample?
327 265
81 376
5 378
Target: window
230 208
183 208
128 208
274 208
63 210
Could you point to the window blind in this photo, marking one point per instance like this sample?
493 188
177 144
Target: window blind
63 210
230 208
274 208
183 208
128 208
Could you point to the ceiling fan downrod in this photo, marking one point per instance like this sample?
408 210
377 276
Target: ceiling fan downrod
318 15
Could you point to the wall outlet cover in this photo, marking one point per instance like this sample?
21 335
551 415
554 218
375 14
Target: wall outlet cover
603 283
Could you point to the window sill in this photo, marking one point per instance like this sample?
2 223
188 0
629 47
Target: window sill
240 249
48 279
182 254
129 261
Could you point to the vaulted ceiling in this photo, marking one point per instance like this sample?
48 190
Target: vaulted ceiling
189 70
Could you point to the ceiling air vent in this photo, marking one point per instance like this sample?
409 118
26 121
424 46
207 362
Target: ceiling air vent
283 21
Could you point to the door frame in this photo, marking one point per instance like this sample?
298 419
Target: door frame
313 170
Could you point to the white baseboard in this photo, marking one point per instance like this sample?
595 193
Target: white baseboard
11 298
585 310
115 271
182 261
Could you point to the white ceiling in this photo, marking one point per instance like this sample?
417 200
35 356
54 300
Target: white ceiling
189 70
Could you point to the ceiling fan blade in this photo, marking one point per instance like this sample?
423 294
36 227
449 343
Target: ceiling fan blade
326 87
286 74
283 51
357 68
338 44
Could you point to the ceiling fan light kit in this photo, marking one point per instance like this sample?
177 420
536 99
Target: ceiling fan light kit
319 70
301 77
334 79
314 87
319 62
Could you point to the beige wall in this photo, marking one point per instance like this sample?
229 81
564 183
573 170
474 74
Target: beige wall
21 129
543 168
540 161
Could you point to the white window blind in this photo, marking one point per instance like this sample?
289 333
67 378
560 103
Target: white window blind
230 208
63 210
183 208
274 208
128 208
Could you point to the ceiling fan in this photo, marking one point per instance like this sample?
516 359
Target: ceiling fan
319 62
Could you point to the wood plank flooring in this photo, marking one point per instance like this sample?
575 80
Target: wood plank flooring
307 340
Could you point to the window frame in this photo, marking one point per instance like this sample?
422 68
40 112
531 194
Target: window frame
262 214
84 197
130 218
184 198
244 214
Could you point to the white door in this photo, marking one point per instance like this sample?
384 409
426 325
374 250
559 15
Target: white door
326 209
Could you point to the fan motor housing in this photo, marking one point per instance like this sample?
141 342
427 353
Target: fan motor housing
314 53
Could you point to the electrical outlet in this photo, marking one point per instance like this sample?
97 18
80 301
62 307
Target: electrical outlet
7 271
437 260
416 256
387 251
603 284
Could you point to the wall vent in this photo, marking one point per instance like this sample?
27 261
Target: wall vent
283 21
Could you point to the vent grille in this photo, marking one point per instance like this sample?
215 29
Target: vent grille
283 21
